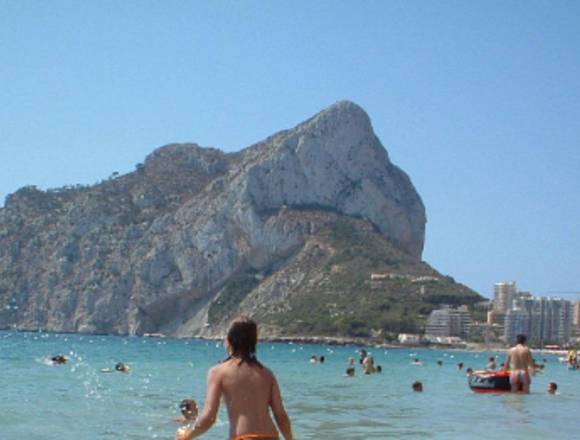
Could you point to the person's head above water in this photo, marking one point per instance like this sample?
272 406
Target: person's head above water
58 359
188 408
242 339
552 387
417 386
123 368
521 339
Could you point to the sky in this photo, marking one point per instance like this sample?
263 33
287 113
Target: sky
478 102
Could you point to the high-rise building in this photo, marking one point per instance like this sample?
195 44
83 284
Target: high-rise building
542 320
577 314
517 322
558 321
504 294
448 321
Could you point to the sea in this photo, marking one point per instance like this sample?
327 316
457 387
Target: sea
77 400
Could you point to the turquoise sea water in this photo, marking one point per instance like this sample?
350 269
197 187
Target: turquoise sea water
77 401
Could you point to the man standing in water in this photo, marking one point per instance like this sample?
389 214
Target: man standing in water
249 390
519 361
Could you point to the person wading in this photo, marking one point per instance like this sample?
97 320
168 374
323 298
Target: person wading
249 390
521 364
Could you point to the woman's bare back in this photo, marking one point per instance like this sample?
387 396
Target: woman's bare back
247 391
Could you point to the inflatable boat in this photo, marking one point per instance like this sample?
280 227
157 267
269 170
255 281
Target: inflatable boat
485 381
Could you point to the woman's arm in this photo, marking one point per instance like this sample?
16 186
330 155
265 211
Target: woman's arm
210 408
279 411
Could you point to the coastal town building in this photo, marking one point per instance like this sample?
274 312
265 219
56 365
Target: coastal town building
395 276
576 320
409 339
449 321
495 318
542 320
452 341
482 332
504 293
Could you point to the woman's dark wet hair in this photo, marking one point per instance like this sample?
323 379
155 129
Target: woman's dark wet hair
242 338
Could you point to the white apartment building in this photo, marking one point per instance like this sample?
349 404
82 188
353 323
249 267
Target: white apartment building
504 294
542 320
448 321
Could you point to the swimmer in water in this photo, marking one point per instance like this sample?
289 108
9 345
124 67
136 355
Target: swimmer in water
249 390
552 387
59 359
189 411
491 365
572 357
119 367
440 363
350 371
369 365
362 355
460 365
417 361
417 387
122 368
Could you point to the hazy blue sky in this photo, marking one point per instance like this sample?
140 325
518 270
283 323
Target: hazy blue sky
478 102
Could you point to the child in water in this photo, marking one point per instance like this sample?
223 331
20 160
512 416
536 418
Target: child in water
189 411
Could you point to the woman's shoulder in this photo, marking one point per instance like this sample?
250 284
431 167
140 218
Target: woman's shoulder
267 372
219 369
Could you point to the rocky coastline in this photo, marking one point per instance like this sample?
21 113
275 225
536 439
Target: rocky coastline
289 230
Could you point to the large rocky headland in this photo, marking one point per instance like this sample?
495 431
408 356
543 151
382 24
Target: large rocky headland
312 231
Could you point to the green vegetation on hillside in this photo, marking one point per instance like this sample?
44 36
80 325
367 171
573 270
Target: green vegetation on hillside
349 303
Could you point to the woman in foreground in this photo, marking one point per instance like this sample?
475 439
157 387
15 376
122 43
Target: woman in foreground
249 390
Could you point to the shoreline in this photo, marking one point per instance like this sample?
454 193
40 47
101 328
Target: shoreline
324 340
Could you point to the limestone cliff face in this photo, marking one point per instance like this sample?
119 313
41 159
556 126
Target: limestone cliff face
154 250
